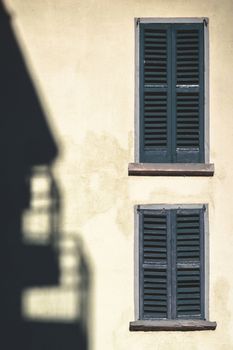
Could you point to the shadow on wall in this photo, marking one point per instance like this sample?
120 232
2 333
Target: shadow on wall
45 278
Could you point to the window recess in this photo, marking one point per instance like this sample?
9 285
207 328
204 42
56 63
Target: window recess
171 95
171 268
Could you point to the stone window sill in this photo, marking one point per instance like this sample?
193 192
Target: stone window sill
170 169
172 325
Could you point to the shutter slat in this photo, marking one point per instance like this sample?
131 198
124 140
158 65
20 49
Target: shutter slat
154 249
155 73
150 228
151 234
162 55
185 44
155 125
154 256
187 125
188 62
161 110
153 64
162 299
157 290
187 248
160 105
154 243
151 279
155 219
154 224
187 237
186 105
160 98
153 38
155 51
188 230
186 291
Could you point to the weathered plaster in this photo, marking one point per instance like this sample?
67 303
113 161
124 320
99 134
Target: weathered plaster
81 58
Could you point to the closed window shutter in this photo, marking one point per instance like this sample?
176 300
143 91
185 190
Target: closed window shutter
189 264
171 260
155 94
188 93
154 265
171 88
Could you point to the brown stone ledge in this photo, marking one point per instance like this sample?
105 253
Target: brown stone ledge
170 169
172 325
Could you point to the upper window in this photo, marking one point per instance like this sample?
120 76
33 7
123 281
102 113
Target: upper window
171 87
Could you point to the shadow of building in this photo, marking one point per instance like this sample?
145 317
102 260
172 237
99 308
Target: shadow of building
27 151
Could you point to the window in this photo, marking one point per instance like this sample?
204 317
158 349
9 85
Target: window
171 92
171 266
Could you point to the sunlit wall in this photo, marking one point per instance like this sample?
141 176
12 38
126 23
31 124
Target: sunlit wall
80 54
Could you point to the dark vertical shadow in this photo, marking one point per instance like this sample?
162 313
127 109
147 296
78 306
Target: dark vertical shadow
42 249
27 150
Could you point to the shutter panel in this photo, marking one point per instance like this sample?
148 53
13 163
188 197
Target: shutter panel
188 93
171 88
155 97
153 263
189 264
171 260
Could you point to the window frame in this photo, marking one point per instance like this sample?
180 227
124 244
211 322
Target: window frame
170 324
134 169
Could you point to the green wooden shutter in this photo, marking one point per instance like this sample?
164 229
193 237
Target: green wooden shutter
171 261
155 94
189 275
154 265
188 93
171 88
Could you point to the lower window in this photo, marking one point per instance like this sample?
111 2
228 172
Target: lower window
171 264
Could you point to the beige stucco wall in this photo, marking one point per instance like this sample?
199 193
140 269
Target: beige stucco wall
81 57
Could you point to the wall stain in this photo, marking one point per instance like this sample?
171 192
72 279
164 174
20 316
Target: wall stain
221 295
103 182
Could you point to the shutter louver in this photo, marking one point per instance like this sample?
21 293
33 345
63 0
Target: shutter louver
154 273
187 120
188 293
189 90
187 57
155 293
155 119
188 262
188 237
155 238
154 94
155 56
